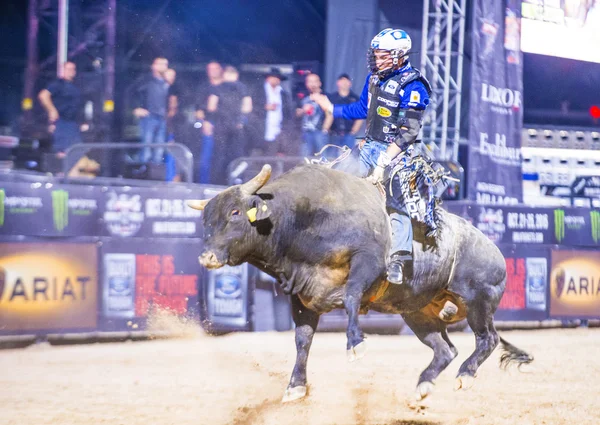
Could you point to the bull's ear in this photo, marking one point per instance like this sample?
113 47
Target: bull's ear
263 211
258 209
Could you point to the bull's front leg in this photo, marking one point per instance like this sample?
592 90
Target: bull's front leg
306 321
365 269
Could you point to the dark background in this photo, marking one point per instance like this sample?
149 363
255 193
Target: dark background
268 31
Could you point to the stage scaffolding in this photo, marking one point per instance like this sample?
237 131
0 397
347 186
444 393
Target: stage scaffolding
442 64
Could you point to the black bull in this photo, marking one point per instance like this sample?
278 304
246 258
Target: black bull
324 235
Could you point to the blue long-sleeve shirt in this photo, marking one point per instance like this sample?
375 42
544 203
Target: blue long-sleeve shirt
414 95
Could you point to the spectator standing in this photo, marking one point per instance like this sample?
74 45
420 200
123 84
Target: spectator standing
175 123
314 136
228 107
273 114
341 131
214 74
62 101
151 109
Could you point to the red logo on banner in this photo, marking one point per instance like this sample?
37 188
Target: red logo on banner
514 294
157 283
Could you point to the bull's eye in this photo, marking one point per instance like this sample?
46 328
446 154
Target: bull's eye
235 212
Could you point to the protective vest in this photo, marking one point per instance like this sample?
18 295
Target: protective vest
385 116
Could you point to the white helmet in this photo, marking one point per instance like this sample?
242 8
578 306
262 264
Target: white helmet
396 41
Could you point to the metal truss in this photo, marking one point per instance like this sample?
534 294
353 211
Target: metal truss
92 33
442 64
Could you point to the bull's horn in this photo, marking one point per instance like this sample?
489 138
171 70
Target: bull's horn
198 204
252 186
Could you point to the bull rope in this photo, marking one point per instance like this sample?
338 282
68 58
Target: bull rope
324 161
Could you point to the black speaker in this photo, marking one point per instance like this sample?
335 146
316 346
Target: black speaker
145 171
51 163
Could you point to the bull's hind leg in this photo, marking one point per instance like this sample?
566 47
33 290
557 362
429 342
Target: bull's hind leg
306 321
432 332
365 269
480 317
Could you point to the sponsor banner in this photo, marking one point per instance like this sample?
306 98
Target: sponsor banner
227 297
139 277
74 210
150 213
37 209
575 284
494 174
514 225
48 287
576 227
23 209
525 296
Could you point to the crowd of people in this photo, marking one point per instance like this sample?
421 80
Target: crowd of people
234 120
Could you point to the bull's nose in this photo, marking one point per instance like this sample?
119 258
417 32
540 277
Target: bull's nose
209 260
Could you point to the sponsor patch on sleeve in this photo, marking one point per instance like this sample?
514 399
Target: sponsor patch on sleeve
415 96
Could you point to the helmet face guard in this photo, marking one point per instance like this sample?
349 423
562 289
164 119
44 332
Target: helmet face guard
397 56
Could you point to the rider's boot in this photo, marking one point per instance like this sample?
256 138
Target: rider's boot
395 269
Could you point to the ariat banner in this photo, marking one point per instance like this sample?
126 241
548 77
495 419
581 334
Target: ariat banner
496 106
575 284
48 286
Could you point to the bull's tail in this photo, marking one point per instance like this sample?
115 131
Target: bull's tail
513 355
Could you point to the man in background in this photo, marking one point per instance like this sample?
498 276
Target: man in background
214 74
175 123
62 101
151 109
228 107
273 114
341 131
313 117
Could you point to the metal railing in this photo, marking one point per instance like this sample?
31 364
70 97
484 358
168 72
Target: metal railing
183 156
244 168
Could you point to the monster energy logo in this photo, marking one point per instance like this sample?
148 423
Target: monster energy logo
559 224
2 196
595 219
60 209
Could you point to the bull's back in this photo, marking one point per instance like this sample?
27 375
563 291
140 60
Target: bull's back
329 188
350 202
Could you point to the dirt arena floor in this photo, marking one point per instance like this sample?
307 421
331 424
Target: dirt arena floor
240 378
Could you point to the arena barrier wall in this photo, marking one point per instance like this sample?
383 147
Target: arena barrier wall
97 258
91 258
552 258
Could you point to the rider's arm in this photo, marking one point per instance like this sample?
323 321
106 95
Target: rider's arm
413 102
356 110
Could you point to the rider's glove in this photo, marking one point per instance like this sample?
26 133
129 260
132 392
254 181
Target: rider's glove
376 176
383 160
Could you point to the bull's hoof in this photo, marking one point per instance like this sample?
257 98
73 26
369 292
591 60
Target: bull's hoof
449 311
294 393
423 390
464 382
357 352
